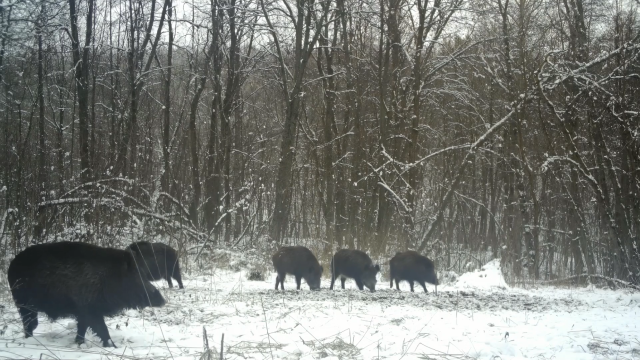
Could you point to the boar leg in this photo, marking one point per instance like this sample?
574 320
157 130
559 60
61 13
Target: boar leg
397 285
423 286
29 320
411 285
96 323
342 281
82 328
333 280
391 283
298 281
177 276
360 284
169 281
280 279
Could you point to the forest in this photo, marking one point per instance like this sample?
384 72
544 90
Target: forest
451 127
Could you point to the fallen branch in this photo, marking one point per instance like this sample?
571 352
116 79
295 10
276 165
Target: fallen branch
621 283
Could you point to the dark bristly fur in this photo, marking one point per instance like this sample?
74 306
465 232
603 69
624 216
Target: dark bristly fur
411 266
299 262
158 261
72 279
354 264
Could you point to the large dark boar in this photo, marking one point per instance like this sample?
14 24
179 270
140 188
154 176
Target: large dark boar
354 264
158 261
299 262
72 279
411 266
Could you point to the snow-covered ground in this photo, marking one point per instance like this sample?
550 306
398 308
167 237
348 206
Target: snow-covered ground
476 317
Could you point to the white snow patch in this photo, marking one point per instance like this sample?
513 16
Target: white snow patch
487 278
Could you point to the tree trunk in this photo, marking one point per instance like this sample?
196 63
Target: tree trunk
304 44
193 147
42 151
128 151
166 123
81 67
328 177
193 136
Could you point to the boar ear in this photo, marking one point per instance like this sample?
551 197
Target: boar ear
377 267
321 269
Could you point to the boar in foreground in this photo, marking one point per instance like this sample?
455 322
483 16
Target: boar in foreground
354 264
72 279
411 266
157 261
299 262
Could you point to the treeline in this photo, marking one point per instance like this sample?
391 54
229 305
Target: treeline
503 127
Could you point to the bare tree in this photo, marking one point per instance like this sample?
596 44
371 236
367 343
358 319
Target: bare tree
128 152
82 68
306 22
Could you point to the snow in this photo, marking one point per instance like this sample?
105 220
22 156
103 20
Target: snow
476 316
487 278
